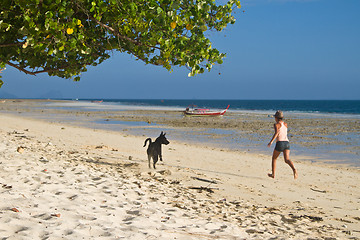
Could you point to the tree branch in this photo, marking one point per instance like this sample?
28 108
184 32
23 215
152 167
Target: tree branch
36 72
111 29
21 69
126 38
12 44
115 32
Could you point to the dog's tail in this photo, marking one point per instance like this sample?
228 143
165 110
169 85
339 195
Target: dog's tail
149 139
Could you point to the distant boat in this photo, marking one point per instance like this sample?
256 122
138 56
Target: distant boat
200 112
96 101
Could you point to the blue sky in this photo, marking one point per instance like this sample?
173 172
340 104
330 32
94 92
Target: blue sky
277 49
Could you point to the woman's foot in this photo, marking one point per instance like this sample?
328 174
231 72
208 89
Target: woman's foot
271 175
295 174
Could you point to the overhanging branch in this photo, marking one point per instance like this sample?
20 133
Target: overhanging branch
112 30
122 37
33 73
11 44
21 69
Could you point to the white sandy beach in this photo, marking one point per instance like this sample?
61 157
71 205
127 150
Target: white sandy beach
66 182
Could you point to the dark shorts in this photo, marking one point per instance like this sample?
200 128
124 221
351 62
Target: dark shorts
282 145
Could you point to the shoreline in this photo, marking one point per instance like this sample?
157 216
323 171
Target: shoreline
322 203
334 140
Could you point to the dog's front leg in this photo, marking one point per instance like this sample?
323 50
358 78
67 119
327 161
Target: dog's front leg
160 153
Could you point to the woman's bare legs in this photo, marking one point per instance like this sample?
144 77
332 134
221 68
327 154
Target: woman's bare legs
289 162
273 163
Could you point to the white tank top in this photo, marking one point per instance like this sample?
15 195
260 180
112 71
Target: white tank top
282 133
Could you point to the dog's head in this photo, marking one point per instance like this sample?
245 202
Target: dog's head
163 139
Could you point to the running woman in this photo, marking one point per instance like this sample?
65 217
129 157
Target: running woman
282 144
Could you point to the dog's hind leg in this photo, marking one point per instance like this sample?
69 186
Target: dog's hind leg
155 159
149 159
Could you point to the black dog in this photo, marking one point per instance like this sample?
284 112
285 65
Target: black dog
154 149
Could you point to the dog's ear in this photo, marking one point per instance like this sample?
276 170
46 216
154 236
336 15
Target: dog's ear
161 134
164 134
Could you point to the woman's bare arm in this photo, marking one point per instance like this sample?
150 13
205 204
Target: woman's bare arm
276 134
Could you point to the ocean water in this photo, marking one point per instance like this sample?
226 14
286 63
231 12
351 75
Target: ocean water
351 107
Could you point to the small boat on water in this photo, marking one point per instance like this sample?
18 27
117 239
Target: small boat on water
95 101
201 112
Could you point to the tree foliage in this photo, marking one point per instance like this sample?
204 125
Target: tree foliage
64 37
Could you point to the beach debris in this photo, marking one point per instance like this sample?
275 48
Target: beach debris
20 149
312 218
15 210
15 132
45 170
204 180
73 197
317 190
164 172
73 152
56 215
288 220
165 218
130 157
43 160
175 182
343 220
133 212
22 136
6 186
131 165
207 189
252 231
178 205
138 184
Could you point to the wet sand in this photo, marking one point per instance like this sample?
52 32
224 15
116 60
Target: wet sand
64 181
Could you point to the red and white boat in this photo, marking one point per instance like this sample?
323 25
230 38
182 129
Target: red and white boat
201 112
